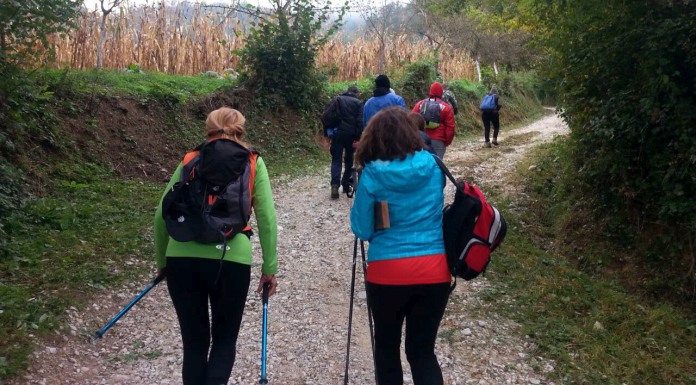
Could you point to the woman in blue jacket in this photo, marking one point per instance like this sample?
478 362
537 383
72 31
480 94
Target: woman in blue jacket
407 275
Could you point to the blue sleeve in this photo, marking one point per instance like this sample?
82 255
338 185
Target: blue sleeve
362 214
402 103
367 113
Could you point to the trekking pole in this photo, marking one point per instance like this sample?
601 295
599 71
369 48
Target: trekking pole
99 333
353 182
369 311
350 311
264 332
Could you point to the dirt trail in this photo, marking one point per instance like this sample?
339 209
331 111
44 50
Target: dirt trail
308 316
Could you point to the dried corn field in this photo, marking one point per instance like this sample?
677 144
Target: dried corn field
359 58
189 41
160 39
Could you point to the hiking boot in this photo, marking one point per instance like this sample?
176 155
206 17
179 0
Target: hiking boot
334 192
495 141
487 145
348 189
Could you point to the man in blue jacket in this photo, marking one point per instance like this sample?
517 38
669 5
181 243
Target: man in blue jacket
382 98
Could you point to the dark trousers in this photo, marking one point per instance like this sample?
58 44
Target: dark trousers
489 117
422 306
191 283
341 147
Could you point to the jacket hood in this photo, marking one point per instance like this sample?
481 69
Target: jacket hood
436 90
410 174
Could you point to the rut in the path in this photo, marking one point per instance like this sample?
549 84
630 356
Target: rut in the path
309 315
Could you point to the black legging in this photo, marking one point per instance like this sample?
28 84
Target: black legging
191 285
423 307
341 146
489 117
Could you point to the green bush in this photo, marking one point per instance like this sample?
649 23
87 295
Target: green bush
278 59
626 84
416 84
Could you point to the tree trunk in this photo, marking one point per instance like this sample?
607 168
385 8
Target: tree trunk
382 57
495 69
100 44
478 69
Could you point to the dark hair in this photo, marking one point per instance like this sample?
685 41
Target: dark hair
382 81
389 135
418 120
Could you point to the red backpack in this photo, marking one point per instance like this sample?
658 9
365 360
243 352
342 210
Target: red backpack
472 228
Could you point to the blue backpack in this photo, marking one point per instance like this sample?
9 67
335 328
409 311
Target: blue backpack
488 103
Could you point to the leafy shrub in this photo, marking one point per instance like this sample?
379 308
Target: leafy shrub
626 82
627 89
278 60
416 84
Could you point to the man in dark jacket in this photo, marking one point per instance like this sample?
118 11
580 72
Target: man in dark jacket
342 121
490 109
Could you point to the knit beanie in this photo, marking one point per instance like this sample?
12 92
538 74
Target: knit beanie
436 90
382 81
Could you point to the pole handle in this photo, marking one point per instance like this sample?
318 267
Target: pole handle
264 294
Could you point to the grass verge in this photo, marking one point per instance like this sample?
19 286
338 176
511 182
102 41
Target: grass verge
596 330
87 236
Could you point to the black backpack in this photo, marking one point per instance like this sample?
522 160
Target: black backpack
472 229
212 200
430 110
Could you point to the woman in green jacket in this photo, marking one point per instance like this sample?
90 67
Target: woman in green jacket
196 274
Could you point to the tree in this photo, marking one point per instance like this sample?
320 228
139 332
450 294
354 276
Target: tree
106 7
490 30
26 25
279 55
382 22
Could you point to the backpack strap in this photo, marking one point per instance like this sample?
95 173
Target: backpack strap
253 156
189 164
445 170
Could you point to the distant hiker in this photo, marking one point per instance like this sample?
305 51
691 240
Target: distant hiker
419 123
449 98
407 274
490 108
197 274
383 97
344 116
439 119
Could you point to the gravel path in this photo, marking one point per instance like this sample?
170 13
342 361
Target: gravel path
309 315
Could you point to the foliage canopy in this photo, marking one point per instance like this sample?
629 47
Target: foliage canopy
278 60
624 72
26 24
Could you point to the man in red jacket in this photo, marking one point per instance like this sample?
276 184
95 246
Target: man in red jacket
441 130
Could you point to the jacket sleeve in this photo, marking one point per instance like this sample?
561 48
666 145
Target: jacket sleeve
361 111
402 103
264 211
160 229
448 121
362 214
498 106
453 99
331 116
